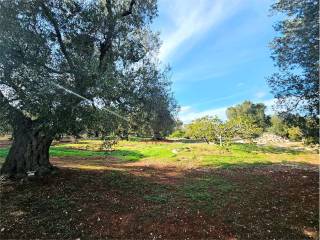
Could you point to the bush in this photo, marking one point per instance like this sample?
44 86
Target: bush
295 133
109 142
178 134
311 140
278 126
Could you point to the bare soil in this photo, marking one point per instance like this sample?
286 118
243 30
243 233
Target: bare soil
132 201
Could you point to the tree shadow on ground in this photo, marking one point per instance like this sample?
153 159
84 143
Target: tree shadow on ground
133 202
126 155
185 140
265 149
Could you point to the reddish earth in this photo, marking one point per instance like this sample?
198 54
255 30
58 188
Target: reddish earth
138 202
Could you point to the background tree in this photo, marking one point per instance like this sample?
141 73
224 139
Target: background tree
160 107
66 65
245 128
295 127
278 126
295 133
211 129
247 109
201 129
296 54
179 130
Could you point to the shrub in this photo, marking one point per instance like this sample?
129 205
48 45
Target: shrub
295 133
178 134
109 142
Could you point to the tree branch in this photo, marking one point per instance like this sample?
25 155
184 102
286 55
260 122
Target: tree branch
55 25
11 112
107 43
129 11
53 70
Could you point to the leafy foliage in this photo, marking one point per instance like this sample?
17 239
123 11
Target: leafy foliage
296 54
109 142
178 134
249 110
278 126
245 128
213 129
201 128
92 49
295 133
296 127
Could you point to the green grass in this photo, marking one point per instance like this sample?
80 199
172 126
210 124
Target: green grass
182 154
65 152
207 193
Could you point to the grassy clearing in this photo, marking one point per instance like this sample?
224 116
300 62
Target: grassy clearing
186 155
189 154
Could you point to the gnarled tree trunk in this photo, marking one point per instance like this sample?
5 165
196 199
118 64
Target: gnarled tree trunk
157 136
29 151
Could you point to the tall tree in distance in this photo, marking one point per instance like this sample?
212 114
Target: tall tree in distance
247 109
296 54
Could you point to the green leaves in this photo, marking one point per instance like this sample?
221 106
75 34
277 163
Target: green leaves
212 129
296 53
247 109
92 49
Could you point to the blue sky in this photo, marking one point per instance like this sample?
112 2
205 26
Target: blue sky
218 51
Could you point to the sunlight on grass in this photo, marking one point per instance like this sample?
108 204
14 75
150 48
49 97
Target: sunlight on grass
185 155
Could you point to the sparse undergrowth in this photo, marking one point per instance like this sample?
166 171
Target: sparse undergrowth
182 154
220 204
144 190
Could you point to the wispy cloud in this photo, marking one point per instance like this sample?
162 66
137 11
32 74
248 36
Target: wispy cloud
214 100
190 19
192 114
260 94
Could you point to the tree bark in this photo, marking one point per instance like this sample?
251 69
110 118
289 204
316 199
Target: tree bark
206 140
157 136
29 151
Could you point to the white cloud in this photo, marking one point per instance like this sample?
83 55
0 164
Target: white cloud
185 109
191 18
192 114
260 94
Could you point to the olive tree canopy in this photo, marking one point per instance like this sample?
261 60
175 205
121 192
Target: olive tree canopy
67 65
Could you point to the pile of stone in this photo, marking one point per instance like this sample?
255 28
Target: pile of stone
266 138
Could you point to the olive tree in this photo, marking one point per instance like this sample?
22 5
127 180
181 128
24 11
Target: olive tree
295 51
67 65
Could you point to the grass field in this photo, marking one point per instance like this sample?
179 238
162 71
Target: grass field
166 190
179 154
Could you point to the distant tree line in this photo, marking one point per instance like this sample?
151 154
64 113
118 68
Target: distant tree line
248 121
